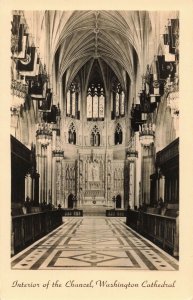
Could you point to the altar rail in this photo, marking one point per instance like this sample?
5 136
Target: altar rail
115 213
162 230
28 228
72 212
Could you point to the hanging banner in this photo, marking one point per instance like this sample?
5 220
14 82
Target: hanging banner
164 68
29 65
45 104
38 87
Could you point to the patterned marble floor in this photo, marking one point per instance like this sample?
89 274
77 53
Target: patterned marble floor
94 243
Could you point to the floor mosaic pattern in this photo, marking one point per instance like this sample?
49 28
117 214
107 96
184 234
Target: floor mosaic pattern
94 243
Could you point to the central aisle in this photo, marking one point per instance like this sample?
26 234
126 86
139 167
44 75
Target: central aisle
94 243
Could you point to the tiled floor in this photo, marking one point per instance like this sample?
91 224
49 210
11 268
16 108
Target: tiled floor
94 243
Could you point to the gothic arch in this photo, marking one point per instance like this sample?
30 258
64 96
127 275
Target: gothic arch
72 134
118 134
95 137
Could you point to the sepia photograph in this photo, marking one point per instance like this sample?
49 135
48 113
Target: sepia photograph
94 140
96 150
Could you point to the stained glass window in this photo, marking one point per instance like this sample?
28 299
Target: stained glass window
72 101
117 105
73 104
117 101
89 106
68 103
95 106
122 103
95 102
101 106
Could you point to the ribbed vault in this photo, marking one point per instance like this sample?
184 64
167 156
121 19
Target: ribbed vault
118 38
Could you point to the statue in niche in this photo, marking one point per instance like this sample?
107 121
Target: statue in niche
93 171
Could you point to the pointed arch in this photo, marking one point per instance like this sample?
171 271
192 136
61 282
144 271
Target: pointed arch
118 135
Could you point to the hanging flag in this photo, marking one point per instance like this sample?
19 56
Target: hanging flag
153 106
154 89
173 30
15 25
168 56
143 116
16 31
38 87
145 102
20 40
156 85
28 64
45 104
22 54
50 117
136 117
152 98
164 69
166 38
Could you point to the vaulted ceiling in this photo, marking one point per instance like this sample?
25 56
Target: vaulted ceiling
116 38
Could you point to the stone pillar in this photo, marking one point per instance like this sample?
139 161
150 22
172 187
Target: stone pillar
41 177
49 174
32 187
36 189
138 172
58 182
54 202
157 189
45 175
146 171
132 184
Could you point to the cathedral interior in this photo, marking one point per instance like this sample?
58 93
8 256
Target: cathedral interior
94 138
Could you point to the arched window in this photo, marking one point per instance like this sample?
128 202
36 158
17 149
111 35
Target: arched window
118 135
95 137
117 101
72 134
95 102
72 101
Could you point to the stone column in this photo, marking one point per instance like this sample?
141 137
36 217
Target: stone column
147 170
49 173
132 184
54 181
45 175
58 181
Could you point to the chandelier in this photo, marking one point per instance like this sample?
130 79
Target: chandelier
146 134
44 134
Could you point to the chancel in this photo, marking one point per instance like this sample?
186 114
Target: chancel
94 139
